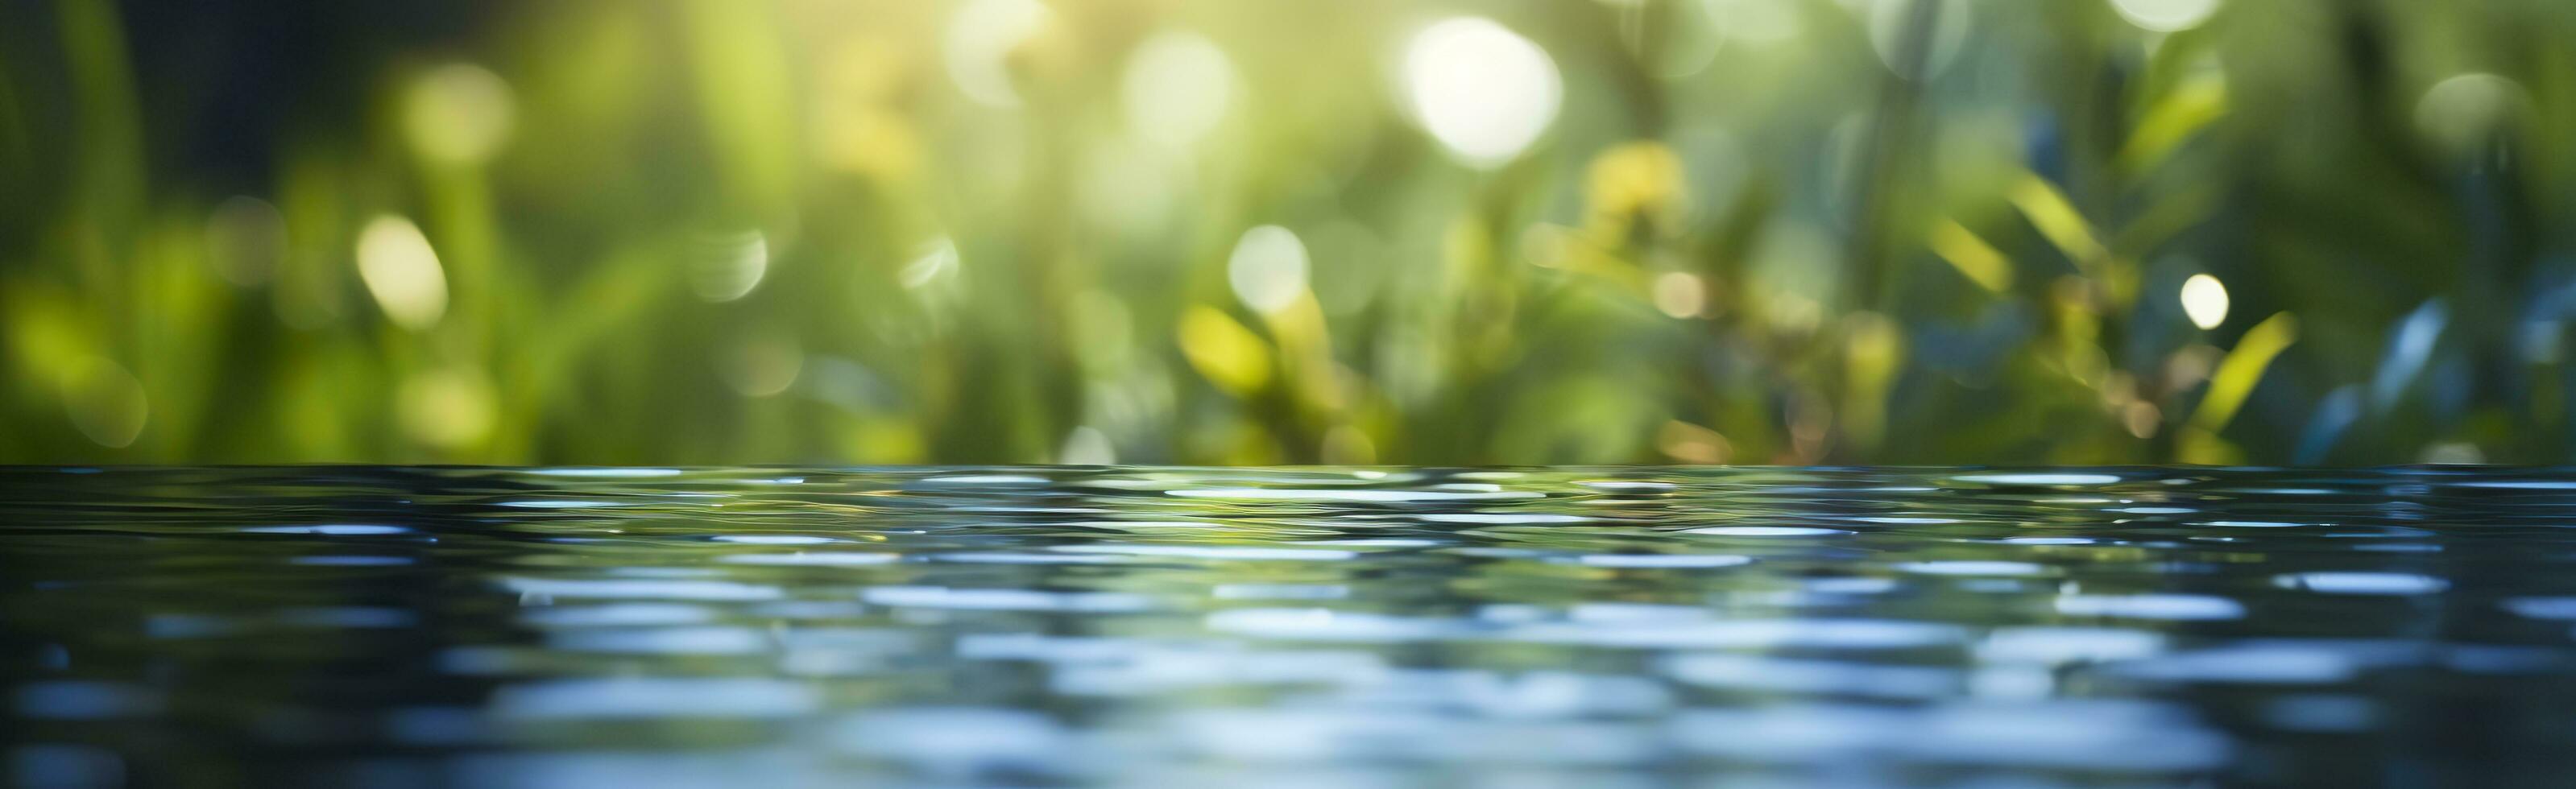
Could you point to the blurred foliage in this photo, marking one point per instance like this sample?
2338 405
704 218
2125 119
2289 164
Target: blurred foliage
1697 231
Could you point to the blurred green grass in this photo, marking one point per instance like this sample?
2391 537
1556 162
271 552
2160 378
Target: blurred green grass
1750 231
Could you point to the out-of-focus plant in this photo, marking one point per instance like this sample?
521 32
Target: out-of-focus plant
1692 231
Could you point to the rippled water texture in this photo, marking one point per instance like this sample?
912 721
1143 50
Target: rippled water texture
1312 627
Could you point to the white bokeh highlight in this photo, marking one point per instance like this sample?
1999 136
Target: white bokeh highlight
978 45
1484 92
2204 301
401 271
1268 268
1177 88
2165 16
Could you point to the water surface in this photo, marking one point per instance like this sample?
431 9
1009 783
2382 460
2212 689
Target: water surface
1310 627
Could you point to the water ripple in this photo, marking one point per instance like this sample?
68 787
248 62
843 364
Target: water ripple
1065 626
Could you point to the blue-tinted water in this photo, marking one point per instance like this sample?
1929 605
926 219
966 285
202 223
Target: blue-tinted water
1311 627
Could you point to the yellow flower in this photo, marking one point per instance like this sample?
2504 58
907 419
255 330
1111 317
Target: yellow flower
1632 183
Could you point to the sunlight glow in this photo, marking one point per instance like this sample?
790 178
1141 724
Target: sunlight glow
1268 268
1756 21
1680 294
980 40
731 267
1087 446
1177 88
2165 16
1483 91
761 364
451 408
459 113
2459 112
402 272
2204 300
935 261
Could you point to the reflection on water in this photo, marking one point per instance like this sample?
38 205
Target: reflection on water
1311 627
